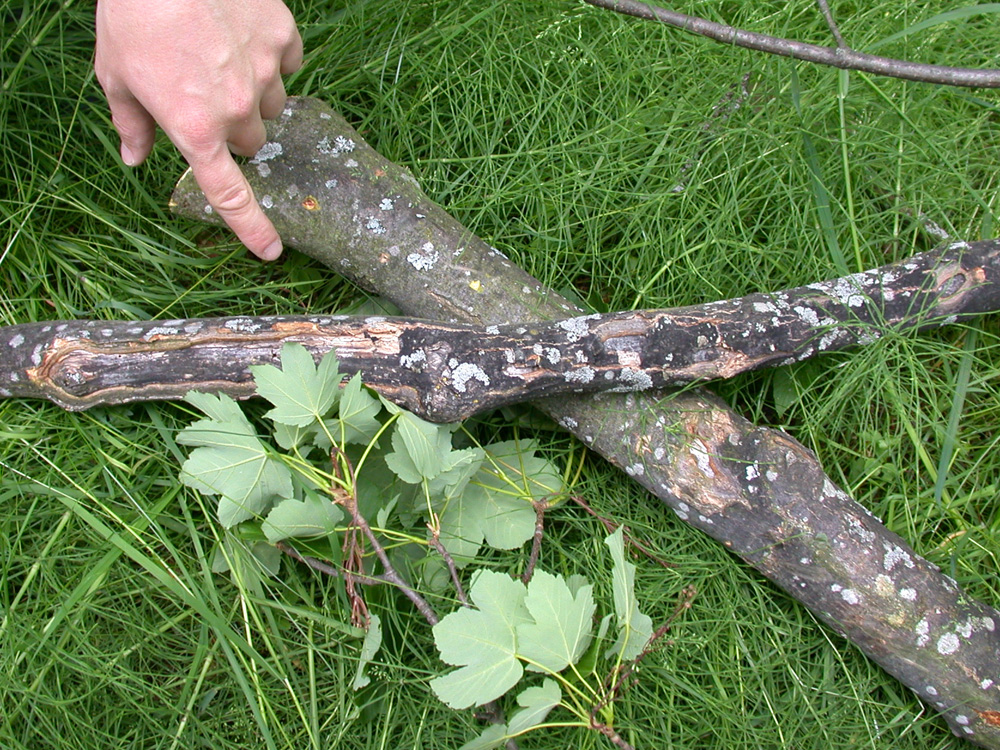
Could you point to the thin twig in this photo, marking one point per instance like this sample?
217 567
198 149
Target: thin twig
824 6
325 568
350 501
611 527
450 562
837 57
536 542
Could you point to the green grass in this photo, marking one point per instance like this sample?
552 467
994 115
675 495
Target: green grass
558 132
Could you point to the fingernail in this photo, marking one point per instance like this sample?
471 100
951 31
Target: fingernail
272 251
127 156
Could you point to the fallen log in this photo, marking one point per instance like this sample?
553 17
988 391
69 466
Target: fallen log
449 371
756 490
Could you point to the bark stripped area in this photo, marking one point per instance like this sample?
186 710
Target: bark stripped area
449 371
755 490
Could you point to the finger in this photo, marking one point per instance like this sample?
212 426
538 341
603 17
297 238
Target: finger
291 58
272 101
246 138
229 193
135 127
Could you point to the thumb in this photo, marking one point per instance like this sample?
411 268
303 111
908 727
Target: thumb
135 127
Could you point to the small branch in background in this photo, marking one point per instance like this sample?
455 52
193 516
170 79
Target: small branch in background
611 527
729 103
837 57
824 6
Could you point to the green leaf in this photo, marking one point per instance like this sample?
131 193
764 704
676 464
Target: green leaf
301 393
511 477
312 516
418 448
493 736
634 628
231 461
369 647
462 525
359 412
458 468
482 642
515 468
535 702
562 623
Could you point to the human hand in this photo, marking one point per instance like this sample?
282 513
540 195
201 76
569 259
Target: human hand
209 72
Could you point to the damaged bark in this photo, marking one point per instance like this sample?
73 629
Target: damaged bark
447 372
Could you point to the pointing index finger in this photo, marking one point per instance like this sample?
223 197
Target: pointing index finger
229 193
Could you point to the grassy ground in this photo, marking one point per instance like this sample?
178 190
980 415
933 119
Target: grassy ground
574 140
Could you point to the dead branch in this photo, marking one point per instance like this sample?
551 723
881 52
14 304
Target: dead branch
838 57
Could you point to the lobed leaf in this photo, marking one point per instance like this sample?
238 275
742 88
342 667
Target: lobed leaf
231 461
301 392
311 516
561 626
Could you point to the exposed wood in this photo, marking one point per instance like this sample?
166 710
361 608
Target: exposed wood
450 371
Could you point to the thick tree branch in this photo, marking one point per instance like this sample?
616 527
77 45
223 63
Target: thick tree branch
447 372
838 57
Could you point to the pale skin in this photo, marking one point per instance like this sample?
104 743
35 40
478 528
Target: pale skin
208 72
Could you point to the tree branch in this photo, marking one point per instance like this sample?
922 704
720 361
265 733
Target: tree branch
447 372
838 57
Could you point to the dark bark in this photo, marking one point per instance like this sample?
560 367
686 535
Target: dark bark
449 371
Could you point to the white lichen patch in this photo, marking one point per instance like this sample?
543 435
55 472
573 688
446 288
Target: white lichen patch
569 423
931 690
986 684
241 325
894 554
270 150
635 470
907 594
581 375
753 471
425 259
263 169
375 226
466 371
576 328
208 209
633 380
948 644
340 145
331 184
387 204
15 341
350 164
923 630
267 201
850 596
413 361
